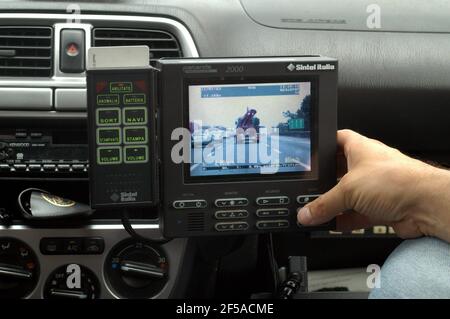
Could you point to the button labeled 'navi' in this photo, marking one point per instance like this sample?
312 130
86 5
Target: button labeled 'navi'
136 154
109 155
135 135
108 116
109 136
134 98
135 115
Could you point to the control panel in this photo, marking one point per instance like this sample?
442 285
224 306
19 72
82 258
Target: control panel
122 110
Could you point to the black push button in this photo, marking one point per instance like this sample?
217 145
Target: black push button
109 155
5 168
231 214
78 167
49 167
231 202
93 245
272 224
20 167
135 135
108 116
272 200
63 167
51 246
72 246
231 226
34 167
189 204
305 199
136 154
109 136
272 212
135 116
72 54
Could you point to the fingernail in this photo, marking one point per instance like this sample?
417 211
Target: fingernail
304 216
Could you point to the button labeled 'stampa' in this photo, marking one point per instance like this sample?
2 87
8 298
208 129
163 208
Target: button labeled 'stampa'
135 135
135 115
109 155
108 116
136 154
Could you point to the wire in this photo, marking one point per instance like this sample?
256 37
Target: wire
132 232
273 263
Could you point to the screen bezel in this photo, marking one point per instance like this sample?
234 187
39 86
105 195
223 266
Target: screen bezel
311 175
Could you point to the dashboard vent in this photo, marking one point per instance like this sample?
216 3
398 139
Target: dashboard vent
196 221
26 51
161 43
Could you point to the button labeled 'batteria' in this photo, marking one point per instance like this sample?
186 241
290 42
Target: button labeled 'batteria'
135 116
134 98
136 154
107 99
135 135
109 136
108 116
109 155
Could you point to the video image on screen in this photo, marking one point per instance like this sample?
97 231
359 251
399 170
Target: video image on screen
247 129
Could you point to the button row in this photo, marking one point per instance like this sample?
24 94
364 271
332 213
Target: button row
43 168
72 246
242 202
114 135
114 116
113 155
128 99
261 225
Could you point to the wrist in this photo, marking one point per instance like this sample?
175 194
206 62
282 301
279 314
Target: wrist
432 209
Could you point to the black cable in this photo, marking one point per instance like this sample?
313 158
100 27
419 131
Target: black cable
273 263
132 232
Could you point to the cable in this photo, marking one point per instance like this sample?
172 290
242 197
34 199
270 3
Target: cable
273 263
132 232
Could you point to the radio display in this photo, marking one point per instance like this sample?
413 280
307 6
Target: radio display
252 128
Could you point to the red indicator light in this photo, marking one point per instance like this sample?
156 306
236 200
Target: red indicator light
72 49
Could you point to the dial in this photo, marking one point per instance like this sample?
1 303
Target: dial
19 268
72 281
136 270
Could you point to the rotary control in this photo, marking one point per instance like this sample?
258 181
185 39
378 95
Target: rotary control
19 269
136 270
72 281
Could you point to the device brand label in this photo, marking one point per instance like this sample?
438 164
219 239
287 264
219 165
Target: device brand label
311 67
128 196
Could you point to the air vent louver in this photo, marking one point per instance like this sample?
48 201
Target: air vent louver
161 43
26 51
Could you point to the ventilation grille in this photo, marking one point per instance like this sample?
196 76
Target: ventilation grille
161 43
26 51
196 221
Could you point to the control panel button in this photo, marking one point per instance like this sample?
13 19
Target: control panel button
272 212
272 200
135 135
4 168
379 230
231 214
135 116
78 167
72 245
305 199
108 99
21 134
49 167
34 167
272 224
109 155
72 43
36 134
51 246
121 87
63 167
93 245
136 154
134 98
231 202
108 116
20 167
188 204
231 226
109 136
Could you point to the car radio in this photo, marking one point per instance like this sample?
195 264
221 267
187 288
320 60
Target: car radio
235 145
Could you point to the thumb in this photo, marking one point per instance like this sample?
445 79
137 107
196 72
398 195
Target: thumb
323 209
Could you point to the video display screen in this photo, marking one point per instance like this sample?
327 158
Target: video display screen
248 129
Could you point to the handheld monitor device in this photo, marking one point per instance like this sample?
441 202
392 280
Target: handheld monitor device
245 141
121 116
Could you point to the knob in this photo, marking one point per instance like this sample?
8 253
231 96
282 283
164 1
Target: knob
136 270
19 269
72 281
